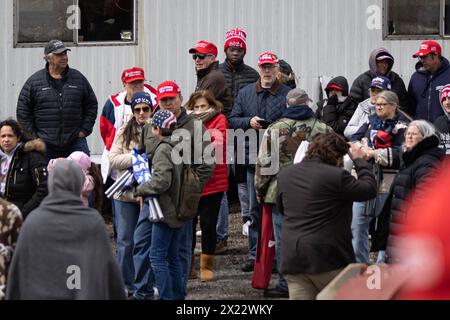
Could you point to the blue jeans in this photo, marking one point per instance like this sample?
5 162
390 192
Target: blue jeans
277 220
80 144
222 221
360 232
243 199
144 277
255 214
185 253
125 219
165 262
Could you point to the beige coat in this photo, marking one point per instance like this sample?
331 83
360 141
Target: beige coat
120 159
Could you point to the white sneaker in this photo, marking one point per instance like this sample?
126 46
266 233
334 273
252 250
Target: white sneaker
245 228
198 233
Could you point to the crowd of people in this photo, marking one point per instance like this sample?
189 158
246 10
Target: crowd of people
320 214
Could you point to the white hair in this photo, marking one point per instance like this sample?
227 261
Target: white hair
426 129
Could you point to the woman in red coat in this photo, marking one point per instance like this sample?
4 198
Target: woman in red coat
207 109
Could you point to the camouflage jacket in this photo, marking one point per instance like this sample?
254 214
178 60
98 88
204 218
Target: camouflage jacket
10 223
287 134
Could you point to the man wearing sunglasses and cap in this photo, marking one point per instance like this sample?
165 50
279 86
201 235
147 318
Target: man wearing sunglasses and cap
209 77
57 104
432 74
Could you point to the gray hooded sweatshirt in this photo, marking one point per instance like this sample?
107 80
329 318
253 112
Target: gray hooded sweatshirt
63 251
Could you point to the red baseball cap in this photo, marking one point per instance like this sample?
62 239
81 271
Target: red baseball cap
133 74
267 58
428 47
334 86
168 89
204 47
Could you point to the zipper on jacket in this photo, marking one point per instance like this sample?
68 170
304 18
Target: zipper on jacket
36 172
429 97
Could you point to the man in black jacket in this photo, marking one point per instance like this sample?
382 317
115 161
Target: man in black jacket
380 64
238 75
58 105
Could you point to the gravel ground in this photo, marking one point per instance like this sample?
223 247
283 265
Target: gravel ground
230 282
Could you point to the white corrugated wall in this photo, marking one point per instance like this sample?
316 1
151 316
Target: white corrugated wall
317 37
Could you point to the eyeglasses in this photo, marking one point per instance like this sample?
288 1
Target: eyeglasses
201 56
381 105
144 109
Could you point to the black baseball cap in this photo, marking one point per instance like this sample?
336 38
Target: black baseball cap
55 46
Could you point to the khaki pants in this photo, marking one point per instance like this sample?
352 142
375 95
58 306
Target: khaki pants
308 286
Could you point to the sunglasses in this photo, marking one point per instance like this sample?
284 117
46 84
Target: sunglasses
201 56
145 109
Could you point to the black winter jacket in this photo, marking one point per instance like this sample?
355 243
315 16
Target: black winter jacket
442 124
360 88
337 114
57 118
416 164
26 182
239 77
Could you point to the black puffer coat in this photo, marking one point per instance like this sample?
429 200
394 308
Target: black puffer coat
57 118
238 77
416 164
26 182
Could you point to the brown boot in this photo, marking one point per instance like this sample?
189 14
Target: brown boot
192 273
206 267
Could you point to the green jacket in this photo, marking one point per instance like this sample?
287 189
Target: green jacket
203 167
291 134
166 179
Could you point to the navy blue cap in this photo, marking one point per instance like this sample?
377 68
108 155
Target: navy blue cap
381 82
141 97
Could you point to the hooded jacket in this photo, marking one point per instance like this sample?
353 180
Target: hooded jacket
442 124
296 125
26 181
424 89
57 118
202 162
337 113
364 110
166 179
213 80
63 250
361 85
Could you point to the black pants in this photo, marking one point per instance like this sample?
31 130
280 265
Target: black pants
208 210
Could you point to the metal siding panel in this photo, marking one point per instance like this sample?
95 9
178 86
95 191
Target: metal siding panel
317 37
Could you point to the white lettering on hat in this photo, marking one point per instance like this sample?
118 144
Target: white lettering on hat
202 45
166 89
423 46
132 74
267 56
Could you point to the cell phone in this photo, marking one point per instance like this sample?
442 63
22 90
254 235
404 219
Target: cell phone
264 123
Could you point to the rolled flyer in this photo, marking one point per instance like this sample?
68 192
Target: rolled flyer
158 209
118 181
152 211
118 184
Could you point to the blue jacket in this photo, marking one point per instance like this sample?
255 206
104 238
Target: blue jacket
424 89
253 100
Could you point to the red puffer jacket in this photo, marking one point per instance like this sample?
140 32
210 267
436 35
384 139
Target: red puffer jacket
219 180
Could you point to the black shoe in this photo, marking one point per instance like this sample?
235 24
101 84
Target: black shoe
248 265
274 269
276 293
